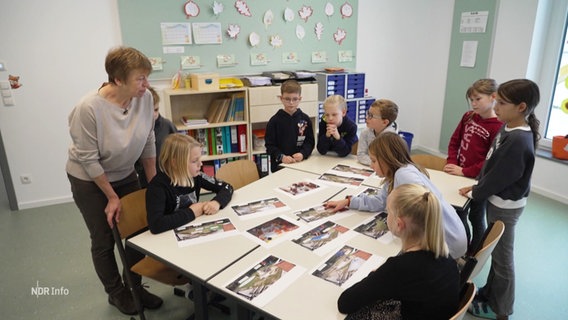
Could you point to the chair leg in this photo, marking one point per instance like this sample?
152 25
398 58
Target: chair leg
221 307
122 255
179 292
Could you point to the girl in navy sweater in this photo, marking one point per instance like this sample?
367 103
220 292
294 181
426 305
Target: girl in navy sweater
505 182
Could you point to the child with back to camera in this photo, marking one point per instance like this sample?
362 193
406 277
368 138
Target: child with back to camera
390 160
172 198
468 147
381 118
289 133
422 280
504 182
337 132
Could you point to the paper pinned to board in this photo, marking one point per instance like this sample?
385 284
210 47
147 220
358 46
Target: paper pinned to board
469 54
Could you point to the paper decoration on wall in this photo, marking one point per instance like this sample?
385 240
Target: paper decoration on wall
268 17
305 12
329 9
14 81
319 57
243 8
226 60
157 63
217 8
254 39
318 30
233 31
175 33
339 35
288 15
290 57
346 10
345 56
207 32
258 59
300 32
190 62
276 41
191 9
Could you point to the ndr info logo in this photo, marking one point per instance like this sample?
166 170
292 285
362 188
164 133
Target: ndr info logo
49 291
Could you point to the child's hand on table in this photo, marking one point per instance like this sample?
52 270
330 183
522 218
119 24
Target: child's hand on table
211 207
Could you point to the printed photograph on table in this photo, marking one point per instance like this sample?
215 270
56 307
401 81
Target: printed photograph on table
315 213
360 172
265 280
264 206
273 231
301 188
206 231
347 266
374 227
370 192
351 182
322 238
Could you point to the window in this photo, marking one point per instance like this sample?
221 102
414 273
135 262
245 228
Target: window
548 65
557 122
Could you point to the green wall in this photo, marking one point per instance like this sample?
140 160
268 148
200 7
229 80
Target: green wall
460 78
140 25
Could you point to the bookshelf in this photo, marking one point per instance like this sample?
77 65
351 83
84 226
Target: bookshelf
194 104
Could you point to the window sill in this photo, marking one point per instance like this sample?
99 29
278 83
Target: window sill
547 154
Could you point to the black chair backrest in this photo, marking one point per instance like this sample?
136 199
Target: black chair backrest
482 242
467 269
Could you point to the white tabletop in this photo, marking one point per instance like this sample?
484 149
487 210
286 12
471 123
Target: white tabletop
205 259
267 188
198 261
309 297
447 184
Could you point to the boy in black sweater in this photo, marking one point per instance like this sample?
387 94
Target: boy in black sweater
289 133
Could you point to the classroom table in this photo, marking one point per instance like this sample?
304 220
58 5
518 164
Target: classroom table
447 184
201 262
214 263
308 297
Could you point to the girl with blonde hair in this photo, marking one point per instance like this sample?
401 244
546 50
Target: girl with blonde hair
422 282
172 198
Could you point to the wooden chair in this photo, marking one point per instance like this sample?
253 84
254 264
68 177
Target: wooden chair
429 161
354 148
466 297
490 239
133 219
238 173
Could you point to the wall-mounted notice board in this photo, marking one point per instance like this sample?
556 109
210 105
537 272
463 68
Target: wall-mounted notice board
470 48
241 37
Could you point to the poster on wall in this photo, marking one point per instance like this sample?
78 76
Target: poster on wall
207 33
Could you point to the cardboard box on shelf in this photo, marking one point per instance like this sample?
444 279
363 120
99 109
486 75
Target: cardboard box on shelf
204 81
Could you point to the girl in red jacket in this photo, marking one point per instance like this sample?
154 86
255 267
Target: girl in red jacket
468 147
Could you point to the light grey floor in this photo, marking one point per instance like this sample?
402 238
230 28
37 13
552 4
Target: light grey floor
49 247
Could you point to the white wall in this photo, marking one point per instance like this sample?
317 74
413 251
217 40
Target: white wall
511 53
403 47
58 49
